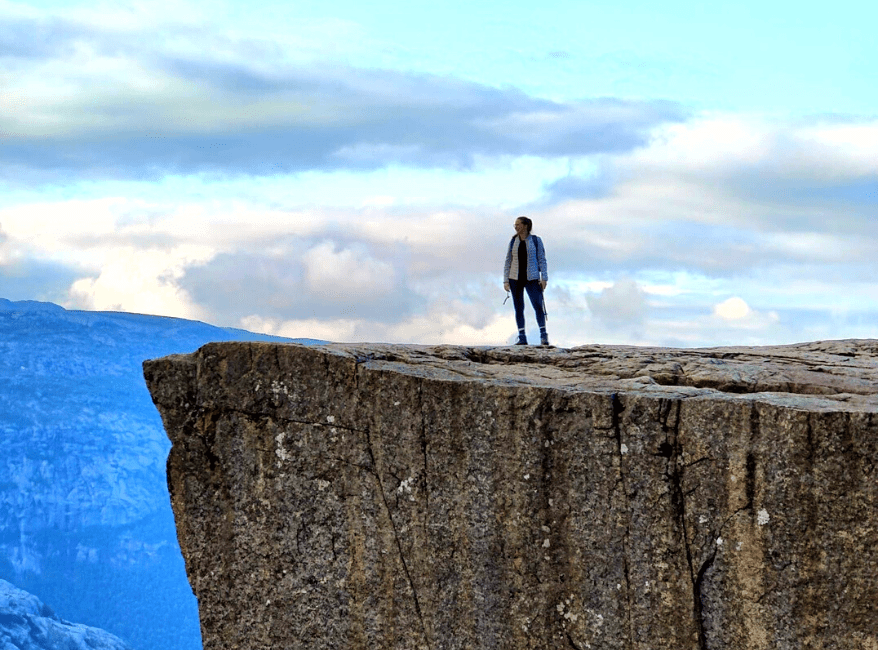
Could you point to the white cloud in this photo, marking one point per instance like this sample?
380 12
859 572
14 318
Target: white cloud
442 324
143 92
727 154
141 281
679 228
732 309
347 274
838 149
49 226
705 146
327 330
727 196
736 313
5 249
623 302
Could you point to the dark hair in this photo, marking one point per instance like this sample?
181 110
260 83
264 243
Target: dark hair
528 223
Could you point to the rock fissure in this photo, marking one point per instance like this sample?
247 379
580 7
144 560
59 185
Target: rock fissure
698 582
402 558
277 360
697 585
617 409
722 526
208 436
678 499
750 478
423 439
344 461
571 642
697 461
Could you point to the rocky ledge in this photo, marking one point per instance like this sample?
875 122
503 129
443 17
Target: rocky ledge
402 497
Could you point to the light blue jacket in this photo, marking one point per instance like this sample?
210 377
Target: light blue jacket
536 259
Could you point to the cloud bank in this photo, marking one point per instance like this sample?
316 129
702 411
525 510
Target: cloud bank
93 97
158 165
680 251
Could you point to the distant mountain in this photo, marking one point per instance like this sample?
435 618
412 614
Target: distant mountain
85 520
28 624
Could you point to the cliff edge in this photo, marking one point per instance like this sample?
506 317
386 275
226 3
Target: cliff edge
411 497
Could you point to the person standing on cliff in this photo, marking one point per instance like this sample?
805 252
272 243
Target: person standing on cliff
526 270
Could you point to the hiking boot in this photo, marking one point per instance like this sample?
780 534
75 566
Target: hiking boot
544 340
521 342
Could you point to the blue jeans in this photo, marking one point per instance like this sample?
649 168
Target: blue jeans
535 293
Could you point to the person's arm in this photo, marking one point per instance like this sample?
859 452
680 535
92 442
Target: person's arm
542 264
507 265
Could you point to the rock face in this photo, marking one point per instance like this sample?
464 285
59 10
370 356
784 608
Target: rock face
378 497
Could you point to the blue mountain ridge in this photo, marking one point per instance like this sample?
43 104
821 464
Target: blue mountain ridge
85 519
26 623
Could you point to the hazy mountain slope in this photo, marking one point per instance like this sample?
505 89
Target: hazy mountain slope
85 522
28 624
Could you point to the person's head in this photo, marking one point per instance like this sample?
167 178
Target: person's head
524 223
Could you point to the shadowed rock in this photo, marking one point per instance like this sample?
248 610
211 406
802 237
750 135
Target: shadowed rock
401 497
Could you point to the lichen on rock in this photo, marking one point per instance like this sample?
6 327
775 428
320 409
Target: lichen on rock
400 497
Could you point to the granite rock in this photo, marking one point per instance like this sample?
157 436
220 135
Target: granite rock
402 497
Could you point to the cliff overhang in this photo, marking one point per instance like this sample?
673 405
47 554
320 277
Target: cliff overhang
379 496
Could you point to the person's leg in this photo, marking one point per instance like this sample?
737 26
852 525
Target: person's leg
535 293
516 287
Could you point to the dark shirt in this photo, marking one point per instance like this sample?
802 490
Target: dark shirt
522 261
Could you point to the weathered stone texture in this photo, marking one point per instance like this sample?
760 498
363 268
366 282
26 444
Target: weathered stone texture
401 497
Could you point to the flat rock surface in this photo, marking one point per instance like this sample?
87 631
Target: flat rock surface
840 370
385 496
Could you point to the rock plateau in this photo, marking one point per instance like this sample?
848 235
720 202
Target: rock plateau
402 497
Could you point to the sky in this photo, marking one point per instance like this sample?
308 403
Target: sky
701 174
